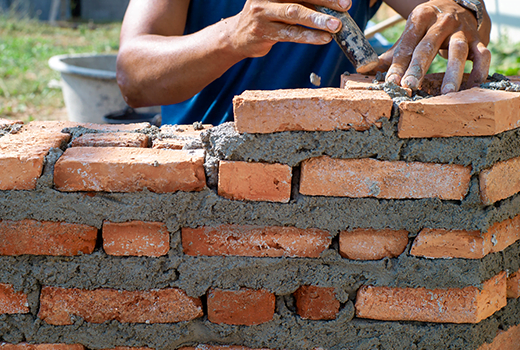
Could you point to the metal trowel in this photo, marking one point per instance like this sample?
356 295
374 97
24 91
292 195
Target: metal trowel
352 41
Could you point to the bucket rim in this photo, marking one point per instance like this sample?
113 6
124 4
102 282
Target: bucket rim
56 63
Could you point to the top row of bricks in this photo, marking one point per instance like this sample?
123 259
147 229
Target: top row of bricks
473 112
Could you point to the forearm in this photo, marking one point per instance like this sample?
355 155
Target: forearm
162 70
404 8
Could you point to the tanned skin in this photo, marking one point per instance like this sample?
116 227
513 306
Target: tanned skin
158 65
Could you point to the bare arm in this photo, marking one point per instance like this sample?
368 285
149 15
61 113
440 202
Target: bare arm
158 65
432 26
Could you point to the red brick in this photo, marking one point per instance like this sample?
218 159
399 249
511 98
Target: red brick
176 136
259 241
316 303
505 340
440 243
111 139
325 176
25 346
309 110
57 305
255 181
46 238
474 112
513 285
22 156
136 238
240 307
452 305
500 181
370 244
12 302
119 169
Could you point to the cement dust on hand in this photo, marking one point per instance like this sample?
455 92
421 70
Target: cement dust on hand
315 79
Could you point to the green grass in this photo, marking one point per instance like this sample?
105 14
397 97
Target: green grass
26 46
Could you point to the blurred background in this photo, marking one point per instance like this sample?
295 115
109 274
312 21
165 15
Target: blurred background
33 31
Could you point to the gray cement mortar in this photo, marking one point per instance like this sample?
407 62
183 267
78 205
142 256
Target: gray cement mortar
292 147
286 330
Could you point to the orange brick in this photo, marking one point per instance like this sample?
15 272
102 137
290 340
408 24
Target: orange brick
453 305
119 169
46 238
136 238
316 303
255 181
432 83
500 181
25 346
513 285
370 244
440 243
325 176
111 139
474 112
57 305
364 83
12 302
309 110
271 241
240 307
505 340
22 156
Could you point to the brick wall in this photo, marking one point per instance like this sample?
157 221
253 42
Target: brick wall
336 221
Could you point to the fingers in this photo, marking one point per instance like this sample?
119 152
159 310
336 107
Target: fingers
481 58
298 34
457 56
416 27
300 15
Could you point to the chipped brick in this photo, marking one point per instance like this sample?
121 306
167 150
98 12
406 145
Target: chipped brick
370 244
316 303
12 302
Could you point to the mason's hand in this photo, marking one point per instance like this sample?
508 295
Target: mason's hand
439 25
262 23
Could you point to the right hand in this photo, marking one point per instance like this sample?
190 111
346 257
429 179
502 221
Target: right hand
262 23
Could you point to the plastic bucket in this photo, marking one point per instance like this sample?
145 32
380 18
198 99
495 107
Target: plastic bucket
89 86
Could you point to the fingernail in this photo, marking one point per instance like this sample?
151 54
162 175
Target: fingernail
411 82
344 4
394 78
448 88
333 24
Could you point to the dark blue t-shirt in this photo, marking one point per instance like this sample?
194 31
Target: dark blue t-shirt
286 66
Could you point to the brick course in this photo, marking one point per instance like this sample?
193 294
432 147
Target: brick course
370 244
136 238
25 346
269 241
513 285
309 110
452 305
12 302
325 176
46 238
118 169
254 181
240 307
58 305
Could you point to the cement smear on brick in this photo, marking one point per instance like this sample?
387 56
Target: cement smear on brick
382 143
285 331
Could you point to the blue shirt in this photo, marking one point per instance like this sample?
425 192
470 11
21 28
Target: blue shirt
286 66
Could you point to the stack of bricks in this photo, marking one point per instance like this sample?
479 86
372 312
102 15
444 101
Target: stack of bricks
338 221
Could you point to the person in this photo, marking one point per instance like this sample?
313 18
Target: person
193 56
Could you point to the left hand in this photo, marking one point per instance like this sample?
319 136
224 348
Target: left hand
439 25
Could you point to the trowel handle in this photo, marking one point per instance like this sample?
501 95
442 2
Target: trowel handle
352 41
